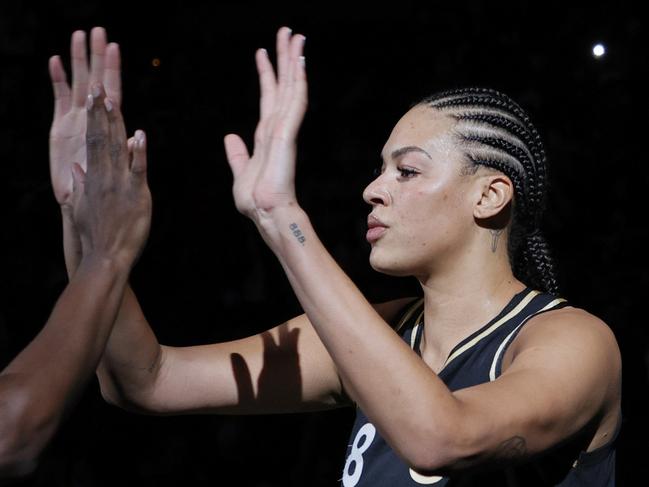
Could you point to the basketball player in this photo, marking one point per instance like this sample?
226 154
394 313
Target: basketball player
489 379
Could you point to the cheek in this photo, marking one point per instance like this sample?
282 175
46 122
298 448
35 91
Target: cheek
433 215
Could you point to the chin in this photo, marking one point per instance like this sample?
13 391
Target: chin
392 266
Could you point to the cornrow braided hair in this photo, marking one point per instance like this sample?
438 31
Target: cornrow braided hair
496 132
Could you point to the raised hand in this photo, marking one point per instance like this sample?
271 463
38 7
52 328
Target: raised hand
68 131
111 202
265 180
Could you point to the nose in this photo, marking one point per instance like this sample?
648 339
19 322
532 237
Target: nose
376 193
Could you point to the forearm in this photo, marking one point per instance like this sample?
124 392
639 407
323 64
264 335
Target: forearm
132 352
132 358
401 395
44 378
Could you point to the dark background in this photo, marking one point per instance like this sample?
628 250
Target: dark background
206 276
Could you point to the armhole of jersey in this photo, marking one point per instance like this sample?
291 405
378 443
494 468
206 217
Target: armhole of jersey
496 365
587 458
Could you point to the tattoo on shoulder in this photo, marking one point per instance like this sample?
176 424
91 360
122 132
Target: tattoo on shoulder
495 236
512 449
297 233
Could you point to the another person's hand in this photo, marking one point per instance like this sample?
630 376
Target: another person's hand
265 181
111 201
68 131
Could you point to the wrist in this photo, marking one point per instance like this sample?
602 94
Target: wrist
285 227
104 263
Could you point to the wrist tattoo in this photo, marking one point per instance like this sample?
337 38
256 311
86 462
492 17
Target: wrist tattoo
495 235
297 233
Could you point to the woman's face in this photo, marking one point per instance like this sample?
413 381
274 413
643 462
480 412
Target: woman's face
422 204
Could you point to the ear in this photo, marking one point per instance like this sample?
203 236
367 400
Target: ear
495 193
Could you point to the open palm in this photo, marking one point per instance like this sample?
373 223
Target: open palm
265 180
68 131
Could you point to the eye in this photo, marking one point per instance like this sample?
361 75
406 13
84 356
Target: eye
407 172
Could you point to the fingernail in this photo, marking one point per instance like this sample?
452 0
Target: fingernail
108 105
264 51
302 61
303 39
139 139
89 102
96 91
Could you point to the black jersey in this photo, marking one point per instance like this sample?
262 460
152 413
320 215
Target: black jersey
475 360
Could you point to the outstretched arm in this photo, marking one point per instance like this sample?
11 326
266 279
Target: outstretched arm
283 369
109 205
43 380
548 397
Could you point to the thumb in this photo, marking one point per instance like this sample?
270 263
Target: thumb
236 152
78 188
78 180
137 148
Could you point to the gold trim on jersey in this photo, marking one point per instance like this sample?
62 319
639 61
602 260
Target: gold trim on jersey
492 369
517 309
424 479
524 302
413 307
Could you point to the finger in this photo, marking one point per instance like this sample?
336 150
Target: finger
299 92
112 73
236 153
116 134
97 131
62 93
298 58
130 146
283 38
267 83
295 51
291 100
97 54
138 150
79 58
78 183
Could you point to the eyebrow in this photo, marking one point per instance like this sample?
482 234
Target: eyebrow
405 150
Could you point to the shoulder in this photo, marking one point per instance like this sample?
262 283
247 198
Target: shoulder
568 327
572 340
577 353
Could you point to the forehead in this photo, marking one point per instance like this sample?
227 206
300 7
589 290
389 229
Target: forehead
423 127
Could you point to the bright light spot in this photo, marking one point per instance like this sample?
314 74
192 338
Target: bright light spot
599 50
155 62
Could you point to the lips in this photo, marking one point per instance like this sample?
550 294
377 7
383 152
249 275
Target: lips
375 229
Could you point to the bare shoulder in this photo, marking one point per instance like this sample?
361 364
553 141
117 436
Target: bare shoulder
578 349
569 328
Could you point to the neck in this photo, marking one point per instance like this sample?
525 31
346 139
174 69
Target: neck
462 299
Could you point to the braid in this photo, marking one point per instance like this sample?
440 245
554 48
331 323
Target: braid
536 254
497 133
